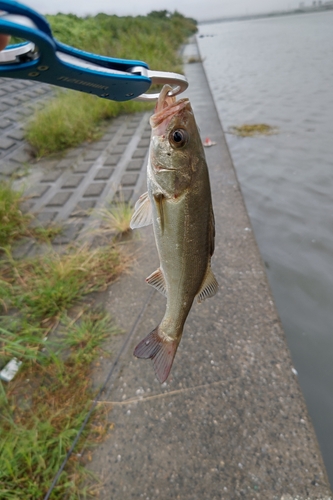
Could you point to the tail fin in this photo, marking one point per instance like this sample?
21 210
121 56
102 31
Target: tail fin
160 351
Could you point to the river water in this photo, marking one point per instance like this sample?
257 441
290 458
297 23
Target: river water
279 71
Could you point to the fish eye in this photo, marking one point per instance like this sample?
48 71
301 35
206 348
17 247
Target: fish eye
178 138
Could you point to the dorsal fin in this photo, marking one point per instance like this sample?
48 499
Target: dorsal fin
156 279
209 286
142 213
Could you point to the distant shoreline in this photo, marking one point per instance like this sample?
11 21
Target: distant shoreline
302 10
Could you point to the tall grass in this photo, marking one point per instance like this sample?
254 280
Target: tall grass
73 117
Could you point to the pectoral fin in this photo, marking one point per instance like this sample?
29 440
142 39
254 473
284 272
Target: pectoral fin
209 286
156 279
142 213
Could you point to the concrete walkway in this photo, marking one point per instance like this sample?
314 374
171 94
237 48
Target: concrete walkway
231 421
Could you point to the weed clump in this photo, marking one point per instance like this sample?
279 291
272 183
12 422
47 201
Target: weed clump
251 130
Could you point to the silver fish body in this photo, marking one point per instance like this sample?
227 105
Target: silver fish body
178 204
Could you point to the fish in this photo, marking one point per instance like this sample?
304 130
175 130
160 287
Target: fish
178 204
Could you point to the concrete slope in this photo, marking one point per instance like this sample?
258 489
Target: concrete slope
231 421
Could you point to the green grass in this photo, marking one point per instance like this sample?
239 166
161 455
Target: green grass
115 219
45 324
70 119
73 117
15 224
42 411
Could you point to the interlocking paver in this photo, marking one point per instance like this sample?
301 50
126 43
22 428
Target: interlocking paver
104 173
51 176
83 208
92 155
66 163
123 196
17 134
134 165
59 199
124 139
129 179
9 168
69 233
140 153
6 143
21 156
5 123
83 168
72 181
112 160
94 189
38 190
119 149
46 217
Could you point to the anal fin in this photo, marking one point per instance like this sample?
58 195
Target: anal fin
160 351
209 286
156 279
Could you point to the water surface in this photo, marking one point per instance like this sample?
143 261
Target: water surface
279 71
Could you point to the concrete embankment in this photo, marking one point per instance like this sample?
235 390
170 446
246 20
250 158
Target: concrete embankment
231 421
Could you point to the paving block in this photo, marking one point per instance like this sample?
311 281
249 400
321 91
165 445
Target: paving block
83 208
59 199
20 97
41 90
135 165
129 179
65 163
119 149
37 191
94 189
3 107
69 233
10 101
92 155
139 153
124 139
123 196
146 134
128 131
74 153
112 160
17 134
9 168
18 85
21 156
144 143
82 168
25 111
4 123
100 146
6 143
51 176
30 93
46 217
104 173
72 181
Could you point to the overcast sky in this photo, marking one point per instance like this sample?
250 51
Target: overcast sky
205 9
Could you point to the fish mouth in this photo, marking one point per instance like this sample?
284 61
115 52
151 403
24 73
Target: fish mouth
167 106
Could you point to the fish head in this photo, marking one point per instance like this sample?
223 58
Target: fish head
176 148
